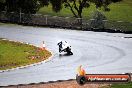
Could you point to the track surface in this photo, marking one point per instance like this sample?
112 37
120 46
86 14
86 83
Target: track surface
98 52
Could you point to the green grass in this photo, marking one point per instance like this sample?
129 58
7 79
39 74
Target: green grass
125 85
9 24
14 54
48 11
121 11
119 85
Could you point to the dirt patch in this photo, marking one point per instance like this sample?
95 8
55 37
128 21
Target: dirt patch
65 84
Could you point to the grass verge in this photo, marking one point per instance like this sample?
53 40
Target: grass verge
9 24
14 54
125 85
119 85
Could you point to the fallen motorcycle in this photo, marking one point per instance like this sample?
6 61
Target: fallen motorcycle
65 47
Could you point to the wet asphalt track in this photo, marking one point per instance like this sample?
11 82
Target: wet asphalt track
98 52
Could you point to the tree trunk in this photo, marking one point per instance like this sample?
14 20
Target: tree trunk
71 8
80 13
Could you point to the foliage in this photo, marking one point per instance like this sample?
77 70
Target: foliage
2 3
98 20
26 6
56 5
77 6
44 2
121 11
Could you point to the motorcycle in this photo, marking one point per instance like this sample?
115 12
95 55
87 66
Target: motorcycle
65 47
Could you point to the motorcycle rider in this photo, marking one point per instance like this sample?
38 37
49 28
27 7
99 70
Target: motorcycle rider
62 45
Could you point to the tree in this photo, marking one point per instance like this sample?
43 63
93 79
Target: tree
2 1
44 2
56 5
2 4
98 20
77 6
26 6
